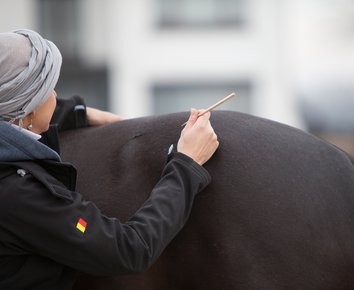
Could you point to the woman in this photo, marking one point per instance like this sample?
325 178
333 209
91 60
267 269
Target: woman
47 231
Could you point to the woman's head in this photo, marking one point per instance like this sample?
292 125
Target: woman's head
29 70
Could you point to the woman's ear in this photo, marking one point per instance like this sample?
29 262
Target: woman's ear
28 121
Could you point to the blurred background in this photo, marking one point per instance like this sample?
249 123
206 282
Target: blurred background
289 61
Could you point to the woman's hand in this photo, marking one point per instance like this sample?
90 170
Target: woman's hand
97 117
198 139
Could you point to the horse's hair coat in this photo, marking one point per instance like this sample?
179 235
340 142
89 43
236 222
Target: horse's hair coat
279 213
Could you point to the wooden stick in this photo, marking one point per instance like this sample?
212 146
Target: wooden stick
214 106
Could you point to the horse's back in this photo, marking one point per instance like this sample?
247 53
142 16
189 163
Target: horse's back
278 213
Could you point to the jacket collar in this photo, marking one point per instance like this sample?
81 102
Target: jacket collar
50 173
27 132
17 146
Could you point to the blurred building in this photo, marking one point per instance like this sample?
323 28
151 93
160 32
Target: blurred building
283 58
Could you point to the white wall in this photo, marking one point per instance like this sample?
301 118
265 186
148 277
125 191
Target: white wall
141 55
15 14
289 46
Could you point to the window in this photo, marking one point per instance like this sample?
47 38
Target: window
88 83
170 98
201 13
59 22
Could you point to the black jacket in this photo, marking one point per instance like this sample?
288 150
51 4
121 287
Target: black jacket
48 232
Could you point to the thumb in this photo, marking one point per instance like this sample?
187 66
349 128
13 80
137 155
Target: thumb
192 118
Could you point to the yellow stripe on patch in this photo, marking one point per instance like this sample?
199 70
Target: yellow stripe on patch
80 226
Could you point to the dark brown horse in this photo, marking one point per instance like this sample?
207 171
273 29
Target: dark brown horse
279 213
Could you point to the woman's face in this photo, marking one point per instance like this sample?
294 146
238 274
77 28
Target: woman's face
42 116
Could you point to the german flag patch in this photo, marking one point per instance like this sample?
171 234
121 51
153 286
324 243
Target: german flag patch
81 225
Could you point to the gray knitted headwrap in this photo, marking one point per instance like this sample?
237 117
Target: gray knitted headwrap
29 70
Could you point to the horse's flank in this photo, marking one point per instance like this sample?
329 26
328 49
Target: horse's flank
279 213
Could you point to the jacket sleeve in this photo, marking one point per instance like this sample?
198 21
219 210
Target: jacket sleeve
70 114
75 233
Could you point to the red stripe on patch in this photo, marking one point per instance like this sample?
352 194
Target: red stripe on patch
82 222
